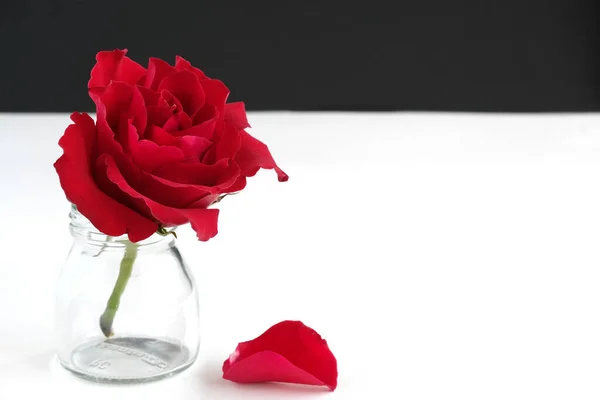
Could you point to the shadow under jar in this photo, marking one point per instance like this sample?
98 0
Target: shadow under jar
155 325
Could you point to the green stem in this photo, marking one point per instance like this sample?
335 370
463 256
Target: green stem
108 316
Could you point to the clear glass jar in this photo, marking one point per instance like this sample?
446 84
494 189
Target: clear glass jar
155 330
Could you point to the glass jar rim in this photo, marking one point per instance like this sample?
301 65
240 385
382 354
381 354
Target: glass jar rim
82 227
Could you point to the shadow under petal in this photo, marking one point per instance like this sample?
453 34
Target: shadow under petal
211 380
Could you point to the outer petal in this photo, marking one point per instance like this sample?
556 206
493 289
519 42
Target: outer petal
238 185
182 64
74 169
235 114
163 191
253 155
218 176
216 94
107 142
115 66
111 189
203 221
228 144
157 71
205 202
287 352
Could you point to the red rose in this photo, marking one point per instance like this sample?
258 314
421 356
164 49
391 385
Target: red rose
164 147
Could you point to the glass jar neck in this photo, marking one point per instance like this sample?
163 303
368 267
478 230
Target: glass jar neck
82 229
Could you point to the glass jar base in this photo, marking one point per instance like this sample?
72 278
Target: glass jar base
128 359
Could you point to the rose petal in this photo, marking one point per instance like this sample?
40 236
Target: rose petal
111 189
287 352
115 66
112 181
190 145
235 114
193 146
148 155
182 64
228 144
161 137
267 366
177 122
216 94
163 191
159 115
157 71
106 140
172 194
218 176
170 101
238 185
121 101
253 155
204 202
151 97
185 86
74 169
204 130
203 221
207 112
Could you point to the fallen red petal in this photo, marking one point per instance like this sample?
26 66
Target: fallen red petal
287 352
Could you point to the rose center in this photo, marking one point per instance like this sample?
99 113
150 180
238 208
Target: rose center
170 103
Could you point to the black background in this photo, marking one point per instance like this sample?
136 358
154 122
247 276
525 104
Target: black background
475 55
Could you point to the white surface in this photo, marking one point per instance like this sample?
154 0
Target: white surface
442 257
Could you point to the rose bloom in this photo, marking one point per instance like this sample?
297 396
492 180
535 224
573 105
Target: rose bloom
165 146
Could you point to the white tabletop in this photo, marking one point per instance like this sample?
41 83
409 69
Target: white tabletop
442 256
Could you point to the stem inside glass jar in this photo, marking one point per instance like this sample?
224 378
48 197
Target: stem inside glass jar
108 316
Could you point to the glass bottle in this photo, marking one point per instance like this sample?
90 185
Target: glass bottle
154 328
